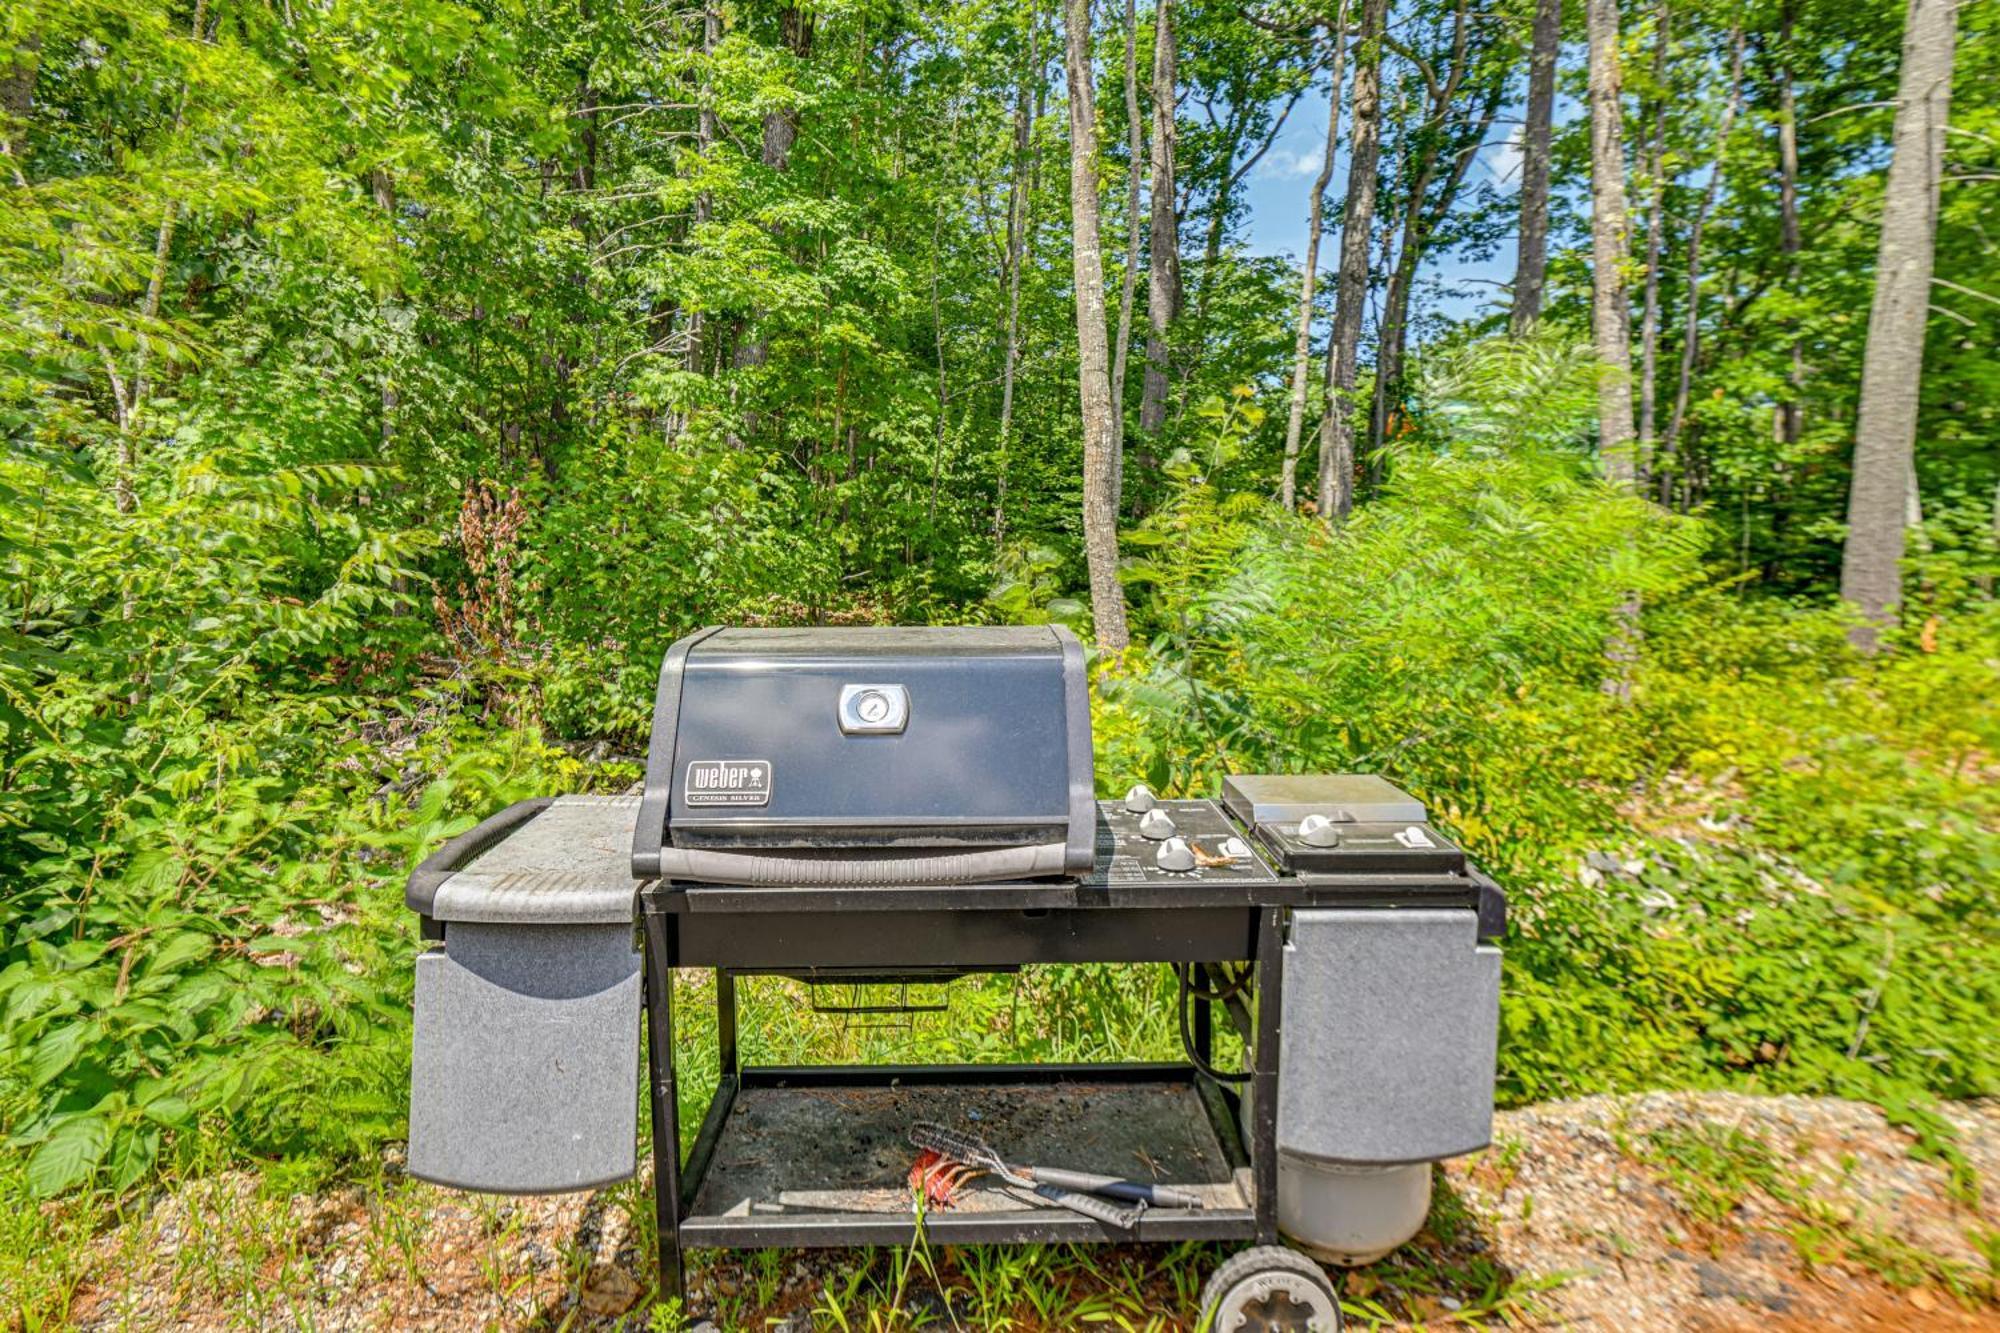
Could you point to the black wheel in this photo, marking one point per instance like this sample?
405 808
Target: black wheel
1270 1289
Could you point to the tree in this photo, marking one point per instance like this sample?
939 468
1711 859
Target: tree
1163 274
1100 510
1315 213
1020 201
1460 102
1532 257
1892 367
1609 319
781 132
1135 151
1663 465
1336 428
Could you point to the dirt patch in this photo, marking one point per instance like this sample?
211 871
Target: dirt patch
1716 1211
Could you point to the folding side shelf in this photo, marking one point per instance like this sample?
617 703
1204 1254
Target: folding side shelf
525 1071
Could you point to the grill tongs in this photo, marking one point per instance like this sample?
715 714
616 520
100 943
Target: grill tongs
1077 1191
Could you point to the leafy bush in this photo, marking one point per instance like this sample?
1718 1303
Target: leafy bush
1762 861
199 818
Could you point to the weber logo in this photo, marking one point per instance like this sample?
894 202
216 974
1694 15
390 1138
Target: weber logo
728 782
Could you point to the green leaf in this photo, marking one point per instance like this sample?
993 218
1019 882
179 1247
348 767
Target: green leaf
69 1155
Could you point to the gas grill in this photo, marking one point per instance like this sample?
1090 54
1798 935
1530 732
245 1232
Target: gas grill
863 806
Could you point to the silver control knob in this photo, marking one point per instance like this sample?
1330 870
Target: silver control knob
1235 849
1156 824
1318 831
1175 855
1140 799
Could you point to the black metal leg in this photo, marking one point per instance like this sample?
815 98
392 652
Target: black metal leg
725 1020
1204 1023
666 1109
1264 1127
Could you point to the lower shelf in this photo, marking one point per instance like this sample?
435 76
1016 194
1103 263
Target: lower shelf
819 1156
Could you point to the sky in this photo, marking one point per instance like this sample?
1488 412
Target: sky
1278 187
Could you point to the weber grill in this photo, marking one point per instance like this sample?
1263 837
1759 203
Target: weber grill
869 805
784 756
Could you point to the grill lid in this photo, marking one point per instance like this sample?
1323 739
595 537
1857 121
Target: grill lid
868 755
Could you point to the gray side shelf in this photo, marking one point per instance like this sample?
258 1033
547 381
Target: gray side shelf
560 861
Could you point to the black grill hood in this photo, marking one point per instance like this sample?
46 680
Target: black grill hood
869 755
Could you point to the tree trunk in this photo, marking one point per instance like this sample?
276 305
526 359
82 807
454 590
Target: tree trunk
1163 276
1422 212
1135 149
1791 412
1232 176
1691 318
17 99
1532 260
1100 515
1315 216
1656 230
1336 428
1892 366
781 133
1422 216
706 128
1609 319
1019 202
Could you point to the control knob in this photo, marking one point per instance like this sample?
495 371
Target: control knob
1156 824
1175 855
1140 799
1318 831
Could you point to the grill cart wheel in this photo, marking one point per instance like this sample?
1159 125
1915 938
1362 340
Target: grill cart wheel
1270 1289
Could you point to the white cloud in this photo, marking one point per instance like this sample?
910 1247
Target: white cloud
1283 163
1503 159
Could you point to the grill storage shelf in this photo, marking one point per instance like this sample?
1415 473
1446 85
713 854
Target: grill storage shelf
831 1143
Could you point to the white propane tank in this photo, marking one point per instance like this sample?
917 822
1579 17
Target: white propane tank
1345 1214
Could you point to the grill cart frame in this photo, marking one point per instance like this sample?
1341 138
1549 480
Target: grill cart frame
766 931
1123 913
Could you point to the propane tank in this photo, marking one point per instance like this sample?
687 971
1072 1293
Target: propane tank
1345 1214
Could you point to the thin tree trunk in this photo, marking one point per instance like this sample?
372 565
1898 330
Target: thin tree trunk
132 395
1691 317
1315 217
1609 317
1656 196
1163 275
1336 428
1100 515
781 134
1019 202
1135 150
1532 260
1426 210
706 129
1610 321
17 99
1233 173
1892 366
1422 212
1791 412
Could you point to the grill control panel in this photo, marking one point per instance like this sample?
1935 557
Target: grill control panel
1190 840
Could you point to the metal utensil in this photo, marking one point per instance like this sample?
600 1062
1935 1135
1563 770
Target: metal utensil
972 1149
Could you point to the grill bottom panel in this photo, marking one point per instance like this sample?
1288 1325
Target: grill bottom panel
819 1157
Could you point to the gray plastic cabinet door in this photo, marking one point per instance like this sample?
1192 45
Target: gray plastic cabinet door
525 1073
1389 1033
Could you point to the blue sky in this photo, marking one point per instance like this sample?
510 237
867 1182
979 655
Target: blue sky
1277 188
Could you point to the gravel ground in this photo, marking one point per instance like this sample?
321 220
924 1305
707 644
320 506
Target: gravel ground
1703 1211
